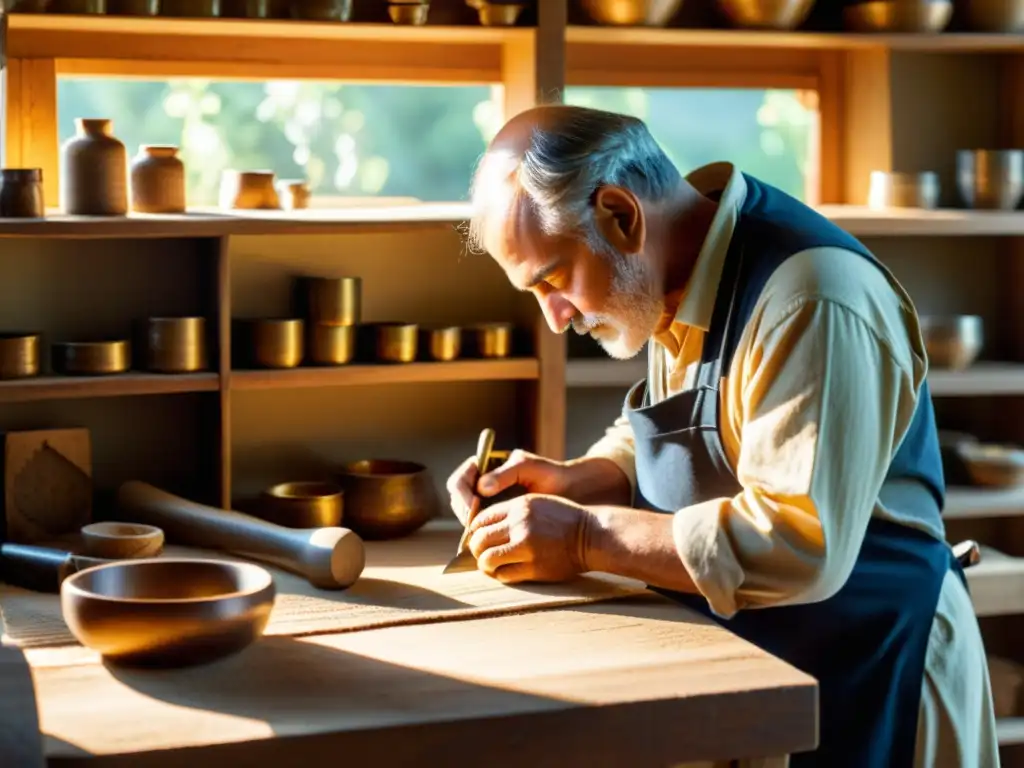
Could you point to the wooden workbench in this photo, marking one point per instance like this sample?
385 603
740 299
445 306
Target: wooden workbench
636 681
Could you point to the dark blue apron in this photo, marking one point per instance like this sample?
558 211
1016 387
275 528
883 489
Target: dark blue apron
866 645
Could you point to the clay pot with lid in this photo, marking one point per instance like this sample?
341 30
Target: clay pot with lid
158 180
94 171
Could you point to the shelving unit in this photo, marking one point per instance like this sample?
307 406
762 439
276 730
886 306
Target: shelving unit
887 102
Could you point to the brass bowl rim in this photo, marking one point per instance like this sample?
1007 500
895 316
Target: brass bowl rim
277 321
278 492
19 335
181 319
107 530
411 468
261 576
105 343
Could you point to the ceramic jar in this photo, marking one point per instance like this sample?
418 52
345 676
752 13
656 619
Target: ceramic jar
158 180
94 171
21 193
322 10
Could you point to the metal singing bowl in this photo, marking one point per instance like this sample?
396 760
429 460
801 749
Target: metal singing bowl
303 505
387 499
953 341
168 612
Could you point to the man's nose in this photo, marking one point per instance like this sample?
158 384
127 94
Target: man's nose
557 311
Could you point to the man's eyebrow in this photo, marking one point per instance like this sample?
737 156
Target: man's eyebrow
541 275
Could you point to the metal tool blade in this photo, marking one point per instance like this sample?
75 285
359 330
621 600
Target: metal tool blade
464 560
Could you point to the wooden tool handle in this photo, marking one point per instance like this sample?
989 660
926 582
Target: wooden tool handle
329 558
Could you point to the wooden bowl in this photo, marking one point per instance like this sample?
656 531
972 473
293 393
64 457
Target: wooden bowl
122 541
492 340
442 344
174 344
386 498
91 358
19 355
248 190
277 343
303 505
331 344
168 612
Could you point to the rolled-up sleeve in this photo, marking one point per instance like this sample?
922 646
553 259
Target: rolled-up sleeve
617 446
823 402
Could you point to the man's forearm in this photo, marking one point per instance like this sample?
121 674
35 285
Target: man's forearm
598 480
635 544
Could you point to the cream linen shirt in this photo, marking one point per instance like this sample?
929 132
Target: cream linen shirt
821 390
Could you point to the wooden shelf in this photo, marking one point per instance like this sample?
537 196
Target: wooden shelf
969 502
826 41
206 222
412 373
469 53
997 584
981 379
210 223
1010 730
68 387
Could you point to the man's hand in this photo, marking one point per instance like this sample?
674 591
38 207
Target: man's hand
585 481
535 537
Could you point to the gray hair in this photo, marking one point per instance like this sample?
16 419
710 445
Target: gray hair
563 166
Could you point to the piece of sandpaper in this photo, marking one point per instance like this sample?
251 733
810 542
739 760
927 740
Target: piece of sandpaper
402 584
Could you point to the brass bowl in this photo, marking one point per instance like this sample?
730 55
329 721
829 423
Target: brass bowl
492 339
331 300
499 14
248 190
277 343
952 342
409 13
303 505
168 612
990 179
91 358
898 16
442 344
904 190
632 13
387 499
174 344
396 342
122 541
766 14
331 344
19 355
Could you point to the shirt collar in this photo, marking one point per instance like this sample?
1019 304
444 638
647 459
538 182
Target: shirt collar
698 297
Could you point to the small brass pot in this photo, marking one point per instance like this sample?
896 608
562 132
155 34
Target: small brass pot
91 358
442 344
19 355
396 342
492 340
277 343
387 499
331 344
248 190
293 194
167 612
499 14
896 16
331 300
303 505
174 344
409 13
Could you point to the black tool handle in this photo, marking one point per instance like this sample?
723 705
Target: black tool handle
40 569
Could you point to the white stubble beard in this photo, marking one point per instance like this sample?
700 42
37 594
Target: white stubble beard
634 307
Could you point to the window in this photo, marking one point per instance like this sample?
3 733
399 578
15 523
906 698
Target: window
348 140
770 134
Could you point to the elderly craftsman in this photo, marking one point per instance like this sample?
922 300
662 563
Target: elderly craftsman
778 469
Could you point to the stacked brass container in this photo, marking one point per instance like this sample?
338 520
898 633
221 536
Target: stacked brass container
173 344
332 308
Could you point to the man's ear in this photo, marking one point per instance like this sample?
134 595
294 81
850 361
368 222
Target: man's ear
620 219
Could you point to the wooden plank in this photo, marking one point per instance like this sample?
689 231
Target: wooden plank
966 503
21 743
120 385
641 682
411 373
222 303
866 121
31 129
